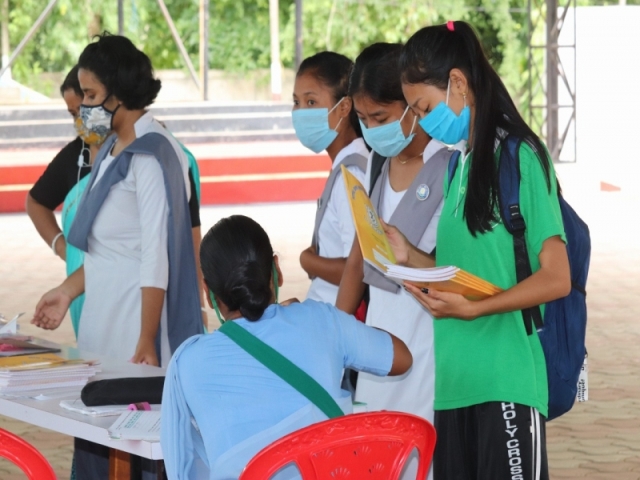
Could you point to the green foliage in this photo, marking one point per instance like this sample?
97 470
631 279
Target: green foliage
239 31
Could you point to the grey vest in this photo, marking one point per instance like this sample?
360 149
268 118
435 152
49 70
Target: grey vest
414 212
355 159
184 318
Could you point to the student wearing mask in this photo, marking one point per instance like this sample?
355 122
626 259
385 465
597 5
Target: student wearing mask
407 193
139 275
216 417
324 119
64 181
491 381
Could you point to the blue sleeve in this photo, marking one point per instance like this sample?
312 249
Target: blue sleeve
182 445
364 348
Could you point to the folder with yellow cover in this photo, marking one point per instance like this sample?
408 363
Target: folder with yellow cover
373 242
377 252
446 279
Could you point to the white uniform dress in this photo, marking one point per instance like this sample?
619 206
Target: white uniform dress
128 251
400 314
336 231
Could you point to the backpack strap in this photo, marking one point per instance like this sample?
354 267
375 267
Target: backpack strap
509 202
283 368
451 168
377 161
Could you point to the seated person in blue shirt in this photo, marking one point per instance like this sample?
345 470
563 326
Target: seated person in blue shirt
220 405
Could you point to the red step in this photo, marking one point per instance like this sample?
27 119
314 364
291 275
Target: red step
223 180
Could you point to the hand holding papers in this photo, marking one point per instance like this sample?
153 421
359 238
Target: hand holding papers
445 279
377 252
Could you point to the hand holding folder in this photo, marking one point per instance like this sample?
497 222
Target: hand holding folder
377 251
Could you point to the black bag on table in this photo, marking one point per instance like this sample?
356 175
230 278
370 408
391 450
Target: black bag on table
123 391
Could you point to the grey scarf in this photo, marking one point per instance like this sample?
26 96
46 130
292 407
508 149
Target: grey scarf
355 159
184 317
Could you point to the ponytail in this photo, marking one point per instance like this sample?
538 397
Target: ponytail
237 258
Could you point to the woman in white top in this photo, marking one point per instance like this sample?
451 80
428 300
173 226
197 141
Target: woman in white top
406 182
139 275
324 119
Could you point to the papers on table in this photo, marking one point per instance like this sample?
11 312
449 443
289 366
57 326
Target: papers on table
104 411
32 372
9 326
373 242
13 345
446 279
137 425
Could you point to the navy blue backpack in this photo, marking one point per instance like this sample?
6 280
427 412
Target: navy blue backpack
563 332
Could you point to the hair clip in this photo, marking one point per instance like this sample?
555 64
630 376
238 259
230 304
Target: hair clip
450 25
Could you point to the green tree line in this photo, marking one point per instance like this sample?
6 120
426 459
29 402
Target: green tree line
239 30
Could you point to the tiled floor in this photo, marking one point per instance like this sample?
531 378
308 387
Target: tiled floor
596 440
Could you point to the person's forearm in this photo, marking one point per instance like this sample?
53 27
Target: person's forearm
152 302
73 285
328 269
542 287
420 259
45 222
351 286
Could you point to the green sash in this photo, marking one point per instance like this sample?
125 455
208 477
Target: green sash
284 368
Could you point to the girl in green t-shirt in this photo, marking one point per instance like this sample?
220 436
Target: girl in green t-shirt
491 387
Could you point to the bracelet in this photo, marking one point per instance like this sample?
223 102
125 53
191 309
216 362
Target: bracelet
53 243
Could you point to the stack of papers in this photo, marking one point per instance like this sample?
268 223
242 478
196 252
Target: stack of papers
13 345
446 279
137 425
31 372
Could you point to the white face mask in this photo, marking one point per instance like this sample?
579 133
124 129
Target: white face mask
97 119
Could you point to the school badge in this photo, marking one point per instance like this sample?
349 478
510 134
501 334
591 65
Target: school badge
422 192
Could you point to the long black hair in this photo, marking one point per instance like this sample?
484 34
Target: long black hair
71 83
332 70
428 57
125 71
375 74
237 264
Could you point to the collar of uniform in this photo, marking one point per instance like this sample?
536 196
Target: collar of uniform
357 146
143 124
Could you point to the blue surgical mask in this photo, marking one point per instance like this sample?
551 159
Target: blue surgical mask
444 125
388 140
312 127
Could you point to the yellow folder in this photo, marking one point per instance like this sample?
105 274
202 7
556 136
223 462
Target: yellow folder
373 242
377 251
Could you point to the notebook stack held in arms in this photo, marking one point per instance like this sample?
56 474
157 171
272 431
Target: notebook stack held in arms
377 252
23 373
446 279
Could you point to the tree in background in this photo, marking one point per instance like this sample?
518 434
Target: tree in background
239 31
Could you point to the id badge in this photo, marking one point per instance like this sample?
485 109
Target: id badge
583 381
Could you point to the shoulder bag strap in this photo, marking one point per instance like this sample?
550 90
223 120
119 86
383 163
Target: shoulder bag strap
509 200
284 368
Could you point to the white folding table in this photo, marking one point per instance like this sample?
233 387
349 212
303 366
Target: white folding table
48 413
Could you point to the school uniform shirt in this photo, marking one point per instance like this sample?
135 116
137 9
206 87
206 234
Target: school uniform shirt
127 251
401 315
220 405
337 231
491 359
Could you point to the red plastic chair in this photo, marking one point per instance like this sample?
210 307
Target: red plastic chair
25 456
373 445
